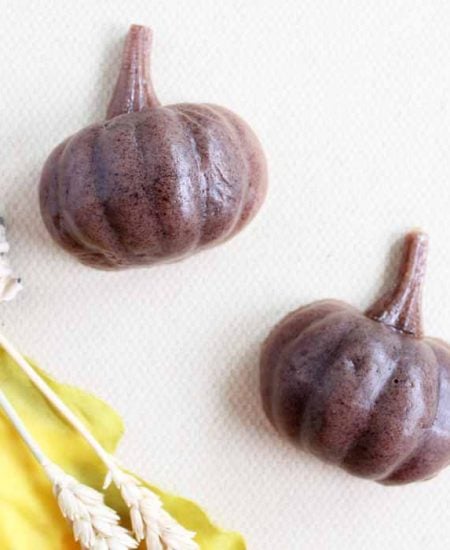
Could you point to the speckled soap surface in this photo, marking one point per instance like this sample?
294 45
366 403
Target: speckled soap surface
350 101
364 391
151 184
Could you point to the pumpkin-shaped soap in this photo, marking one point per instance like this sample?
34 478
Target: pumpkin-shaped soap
152 183
365 391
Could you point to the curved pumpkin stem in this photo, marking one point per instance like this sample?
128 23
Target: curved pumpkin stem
401 307
134 89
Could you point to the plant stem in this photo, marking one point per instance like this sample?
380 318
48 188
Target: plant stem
114 473
21 429
61 482
57 403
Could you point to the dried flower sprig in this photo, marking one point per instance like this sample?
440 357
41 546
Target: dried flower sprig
95 526
160 530
10 285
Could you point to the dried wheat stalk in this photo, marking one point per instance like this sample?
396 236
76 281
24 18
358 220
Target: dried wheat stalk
160 529
150 521
95 526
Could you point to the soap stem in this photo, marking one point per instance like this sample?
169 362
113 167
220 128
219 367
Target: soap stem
401 306
134 89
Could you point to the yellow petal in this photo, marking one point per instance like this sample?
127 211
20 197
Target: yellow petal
29 515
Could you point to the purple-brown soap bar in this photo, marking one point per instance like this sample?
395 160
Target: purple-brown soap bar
151 184
365 391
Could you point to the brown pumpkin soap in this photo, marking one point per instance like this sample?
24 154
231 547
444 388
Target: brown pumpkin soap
366 391
151 184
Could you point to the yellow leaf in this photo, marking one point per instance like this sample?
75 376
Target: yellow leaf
29 516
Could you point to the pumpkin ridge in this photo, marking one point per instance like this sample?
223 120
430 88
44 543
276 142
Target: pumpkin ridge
277 342
54 177
88 247
49 193
282 360
404 460
218 120
196 219
422 440
161 234
245 186
174 226
308 432
352 429
139 141
60 190
100 184
306 429
373 429
366 428
266 385
202 185
202 160
72 240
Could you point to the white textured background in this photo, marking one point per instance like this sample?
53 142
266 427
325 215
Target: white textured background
351 101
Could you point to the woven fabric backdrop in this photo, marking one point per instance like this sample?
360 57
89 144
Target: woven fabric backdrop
351 101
